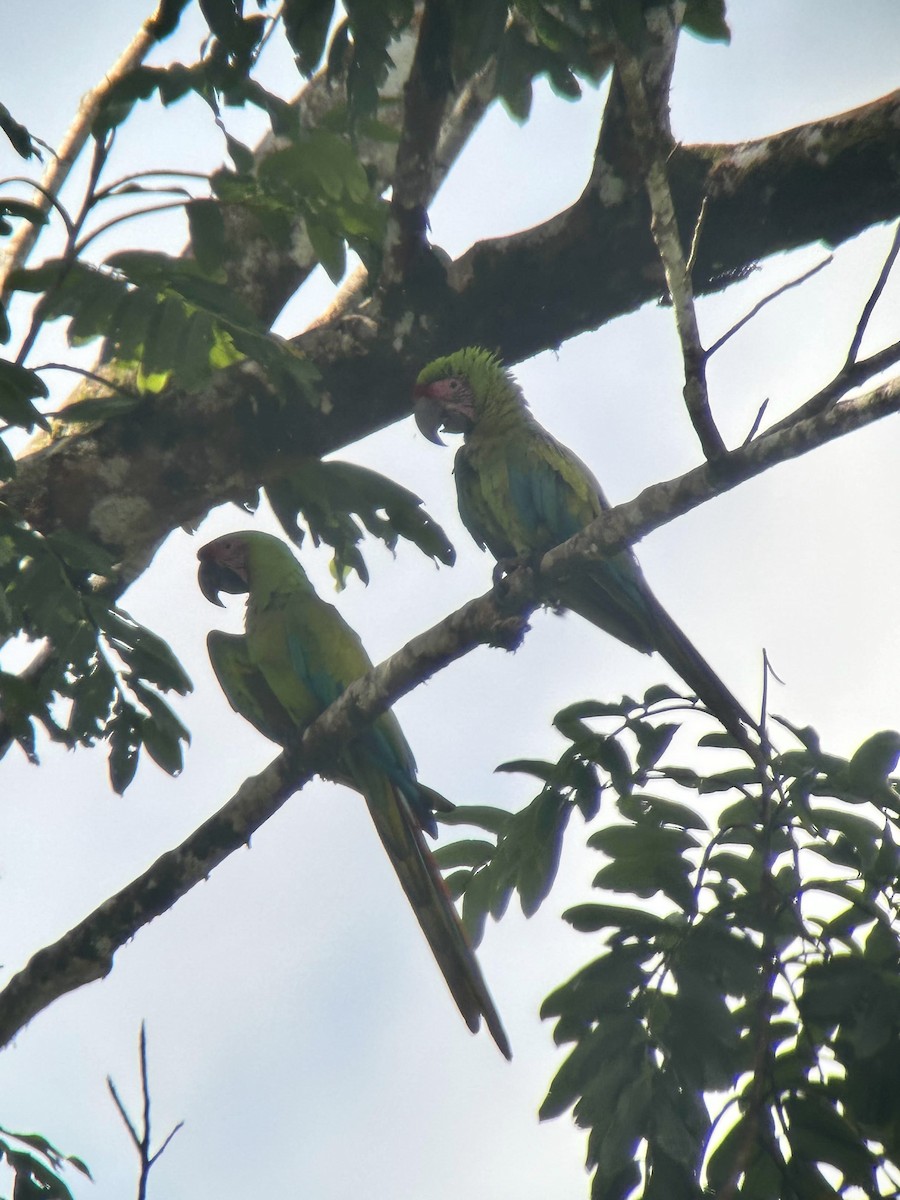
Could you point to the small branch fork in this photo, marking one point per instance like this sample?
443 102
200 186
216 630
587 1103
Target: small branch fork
142 1140
86 952
855 371
57 171
664 227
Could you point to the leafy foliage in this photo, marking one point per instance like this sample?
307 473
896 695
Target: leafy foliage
36 1166
741 1026
106 672
328 494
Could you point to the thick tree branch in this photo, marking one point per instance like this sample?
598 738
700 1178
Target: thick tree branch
129 482
425 100
86 952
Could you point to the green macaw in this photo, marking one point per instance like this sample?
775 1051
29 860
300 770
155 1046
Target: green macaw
521 493
296 656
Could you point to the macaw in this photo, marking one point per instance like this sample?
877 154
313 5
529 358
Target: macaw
296 656
521 492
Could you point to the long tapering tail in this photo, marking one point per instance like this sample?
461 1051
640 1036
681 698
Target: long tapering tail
621 602
424 886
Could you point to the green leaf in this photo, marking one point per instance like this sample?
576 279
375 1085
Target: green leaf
529 766
606 1056
477 904
21 208
242 156
327 495
863 834
18 387
207 234
724 781
659 811
591 918
101 408
584 710
329 249
818 1133
18 135
641 841
609 753
306 24
162 745
124 734
549 816
706 19
493 820
470 852
653 741
874 761
81 553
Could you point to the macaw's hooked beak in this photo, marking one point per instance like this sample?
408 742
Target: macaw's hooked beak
429 414
442 405
214 577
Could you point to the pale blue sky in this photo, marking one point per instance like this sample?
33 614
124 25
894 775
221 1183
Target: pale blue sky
296 1020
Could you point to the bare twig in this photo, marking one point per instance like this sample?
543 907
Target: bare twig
848 377
664 228
98 161
757 421
142 1141
51 202
57 170
779 291
695 239
86 952
854 372
129 216
869 306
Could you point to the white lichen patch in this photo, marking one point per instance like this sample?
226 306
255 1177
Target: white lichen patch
301 252
747 155
402 52
402 329
114 519
611 188
113 470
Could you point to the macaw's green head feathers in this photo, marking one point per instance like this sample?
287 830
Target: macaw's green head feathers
247 561
464 390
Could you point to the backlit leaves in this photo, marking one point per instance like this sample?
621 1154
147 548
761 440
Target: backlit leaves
105 672
754 981
339 500
36 1166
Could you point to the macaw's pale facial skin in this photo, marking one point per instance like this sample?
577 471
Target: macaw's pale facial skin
521 492
296 656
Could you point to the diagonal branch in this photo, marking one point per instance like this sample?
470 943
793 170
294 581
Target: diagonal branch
87 951
520 294
648 139
57 171
874 297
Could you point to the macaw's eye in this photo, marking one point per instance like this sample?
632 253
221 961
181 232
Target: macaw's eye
452 384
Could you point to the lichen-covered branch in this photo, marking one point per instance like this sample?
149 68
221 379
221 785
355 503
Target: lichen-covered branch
132 480
425 100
